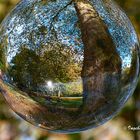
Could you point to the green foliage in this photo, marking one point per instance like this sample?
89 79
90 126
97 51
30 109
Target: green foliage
3 59
52 61
30 70
24 69
74 89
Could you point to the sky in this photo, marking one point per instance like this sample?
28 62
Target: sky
23 27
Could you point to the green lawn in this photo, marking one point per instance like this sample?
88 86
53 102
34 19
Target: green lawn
68 102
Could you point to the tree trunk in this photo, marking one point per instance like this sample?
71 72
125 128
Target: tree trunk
101 65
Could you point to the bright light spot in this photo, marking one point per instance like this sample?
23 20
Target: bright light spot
50 84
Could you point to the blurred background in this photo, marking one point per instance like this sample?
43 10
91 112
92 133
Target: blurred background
120 128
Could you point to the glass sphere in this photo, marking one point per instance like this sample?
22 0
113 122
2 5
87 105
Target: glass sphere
67 65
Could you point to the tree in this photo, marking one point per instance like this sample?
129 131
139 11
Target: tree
25 69
102 63
56 63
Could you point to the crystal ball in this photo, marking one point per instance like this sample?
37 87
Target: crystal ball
67 66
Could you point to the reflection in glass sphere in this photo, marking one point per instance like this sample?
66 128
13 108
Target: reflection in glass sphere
69 65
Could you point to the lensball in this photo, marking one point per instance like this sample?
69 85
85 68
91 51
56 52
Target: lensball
68 65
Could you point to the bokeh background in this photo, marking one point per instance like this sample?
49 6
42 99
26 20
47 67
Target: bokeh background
14 128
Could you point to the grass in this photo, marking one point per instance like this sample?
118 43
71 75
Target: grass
68 102
65 102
